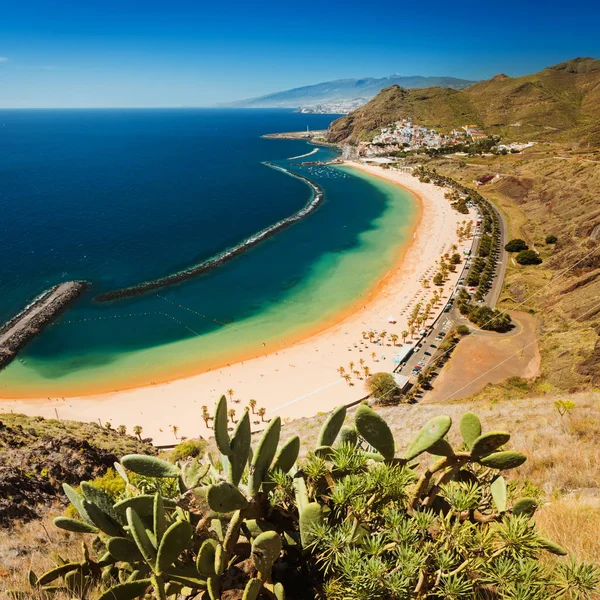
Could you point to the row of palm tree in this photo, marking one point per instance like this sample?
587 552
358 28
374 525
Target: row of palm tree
261 412
372 336
122 429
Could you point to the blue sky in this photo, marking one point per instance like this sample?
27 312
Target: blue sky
86 53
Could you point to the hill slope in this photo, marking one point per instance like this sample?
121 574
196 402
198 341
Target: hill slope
345 89
559 103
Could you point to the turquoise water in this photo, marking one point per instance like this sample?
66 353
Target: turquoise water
121 197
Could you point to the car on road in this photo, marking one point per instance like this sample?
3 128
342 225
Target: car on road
421 363
427 353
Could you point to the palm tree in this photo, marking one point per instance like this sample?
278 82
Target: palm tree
121 430
261 413
364 335
341 371
351 365
205 415
394 338
373 355
404 335
412 331
361 362
347 377
356 373
371 335
230 393
425 283
108 425
137 430
366 371
383 335
175 429
231 414
252 405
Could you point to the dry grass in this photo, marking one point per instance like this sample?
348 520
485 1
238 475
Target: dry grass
29 546
573 522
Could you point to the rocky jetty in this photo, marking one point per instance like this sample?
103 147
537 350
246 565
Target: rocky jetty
16 332
219 259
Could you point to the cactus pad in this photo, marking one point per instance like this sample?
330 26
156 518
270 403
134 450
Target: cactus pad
263 456
240 449
498 491
552 547
432 432
525 506
375 431
489 442
149 466
123 549
224 497
348 435
127 591
332 426
310 516
174 542
470 428
205 561
138 531
252 589
220 427
503 460
265 551
287 455
73 525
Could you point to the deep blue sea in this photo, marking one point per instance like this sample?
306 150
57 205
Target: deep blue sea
117 197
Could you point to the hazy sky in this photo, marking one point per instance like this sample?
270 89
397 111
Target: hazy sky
80 53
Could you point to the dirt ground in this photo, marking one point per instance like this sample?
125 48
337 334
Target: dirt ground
484 358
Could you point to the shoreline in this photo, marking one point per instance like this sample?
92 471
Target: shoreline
234 357
296 378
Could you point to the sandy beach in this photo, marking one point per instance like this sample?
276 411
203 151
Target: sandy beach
302 379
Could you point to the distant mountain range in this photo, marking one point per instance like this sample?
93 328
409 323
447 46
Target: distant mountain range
559 103
345 89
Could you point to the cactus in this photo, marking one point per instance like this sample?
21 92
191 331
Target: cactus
503 460
252 589
124 550
488 442
331 427
240 449
375 431
348 511
224 497
470 428
263 456
149 466
220 427
174 542
498 491
348 435
287 455
525 506
265 551
138 531
205 561
74 526
433 431
310 516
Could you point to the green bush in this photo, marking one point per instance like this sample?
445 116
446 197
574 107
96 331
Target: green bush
356 519
551 239
516 245
187 449
463 330
528 257
382 385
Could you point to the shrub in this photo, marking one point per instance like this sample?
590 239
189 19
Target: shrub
516 245
529 257
187 449
551 239
438 279
352 522
382 385
463 330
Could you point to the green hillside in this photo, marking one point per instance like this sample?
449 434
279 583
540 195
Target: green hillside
560 103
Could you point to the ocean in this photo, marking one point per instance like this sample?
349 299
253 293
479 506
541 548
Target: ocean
119 197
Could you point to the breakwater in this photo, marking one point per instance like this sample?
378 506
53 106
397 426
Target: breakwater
315 199
16 332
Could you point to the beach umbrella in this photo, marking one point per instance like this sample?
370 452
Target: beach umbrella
391 320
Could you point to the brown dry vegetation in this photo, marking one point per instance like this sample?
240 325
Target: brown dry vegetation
547 190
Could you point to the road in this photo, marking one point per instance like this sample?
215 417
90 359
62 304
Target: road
426 348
